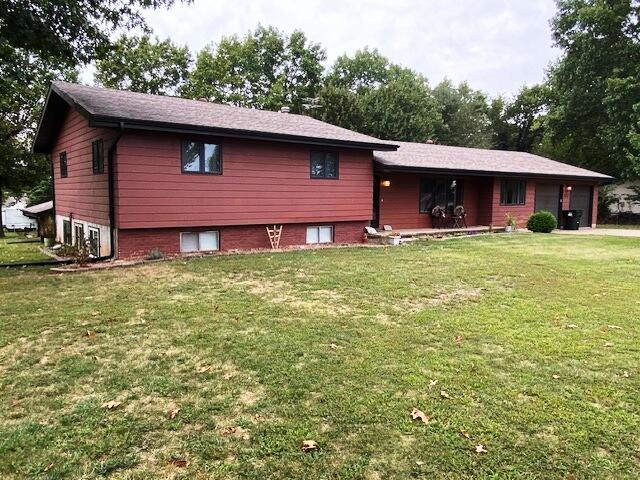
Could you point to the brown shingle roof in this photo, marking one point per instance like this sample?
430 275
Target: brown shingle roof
422 156
104 105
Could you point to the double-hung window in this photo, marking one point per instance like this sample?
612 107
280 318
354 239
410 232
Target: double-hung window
513 192
200 157
324 164
199 241
97 153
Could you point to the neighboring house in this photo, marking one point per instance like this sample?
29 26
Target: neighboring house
621 190
40 213
12 216
136 172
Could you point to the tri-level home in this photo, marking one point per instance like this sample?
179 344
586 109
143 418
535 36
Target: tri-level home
135 173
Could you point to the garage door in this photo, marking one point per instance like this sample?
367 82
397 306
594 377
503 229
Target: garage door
581 200
548 198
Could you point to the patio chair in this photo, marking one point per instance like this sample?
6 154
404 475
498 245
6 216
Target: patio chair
459 217
438 217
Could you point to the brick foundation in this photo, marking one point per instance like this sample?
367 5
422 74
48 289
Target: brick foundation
136 243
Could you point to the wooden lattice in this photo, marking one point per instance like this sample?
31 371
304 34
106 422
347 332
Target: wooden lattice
274 235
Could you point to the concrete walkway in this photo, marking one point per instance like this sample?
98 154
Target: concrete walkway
611 232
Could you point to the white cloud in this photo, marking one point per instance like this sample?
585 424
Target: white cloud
496 45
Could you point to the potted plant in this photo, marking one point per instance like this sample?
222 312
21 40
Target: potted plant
511 223
394 238
47 231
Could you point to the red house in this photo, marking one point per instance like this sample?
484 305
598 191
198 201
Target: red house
135 173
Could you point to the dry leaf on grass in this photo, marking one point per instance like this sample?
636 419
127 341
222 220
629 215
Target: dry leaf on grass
90 333
608 344
309 446
419 415
48 467
480 449
555 377
419 463
465 434
614 327
227 376
177 462
571 325
458 339
15 402
111 405
444 394
625 374
432 383
173 413
333 346
95 314
204 369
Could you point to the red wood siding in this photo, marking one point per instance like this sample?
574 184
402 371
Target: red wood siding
136 243
262 182
399 203
81 194
522 212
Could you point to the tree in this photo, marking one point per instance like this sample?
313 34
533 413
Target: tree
265 69
595 105
141 64
369 94
465 116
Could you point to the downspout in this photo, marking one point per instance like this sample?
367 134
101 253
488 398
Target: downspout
112 203
53 195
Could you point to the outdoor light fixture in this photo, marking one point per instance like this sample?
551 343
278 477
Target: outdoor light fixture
386 183
568 187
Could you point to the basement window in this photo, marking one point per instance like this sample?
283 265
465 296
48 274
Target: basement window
63 165
78 235
317 235
324 165
513 192
97 153
200 157
66 232
199 241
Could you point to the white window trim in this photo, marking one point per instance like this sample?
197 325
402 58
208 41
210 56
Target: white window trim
318 227
217 233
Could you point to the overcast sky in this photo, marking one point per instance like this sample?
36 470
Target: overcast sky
496 45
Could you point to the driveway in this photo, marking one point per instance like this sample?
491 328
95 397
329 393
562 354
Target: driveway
612 232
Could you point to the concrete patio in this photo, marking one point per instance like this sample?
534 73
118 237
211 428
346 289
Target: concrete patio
610 232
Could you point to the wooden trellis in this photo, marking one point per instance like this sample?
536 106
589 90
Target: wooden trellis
274 235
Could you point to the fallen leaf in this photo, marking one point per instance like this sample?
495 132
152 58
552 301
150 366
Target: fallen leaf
309 446
15 402
555 377
444 394
203 369
465 434
333 346
227 376
571 325
419 463
458 339
111 405
90 333
177 462
173 413
432 383
48 467
625 374
258 418
571 476
614 327
480 449
419 415
95 314
608 344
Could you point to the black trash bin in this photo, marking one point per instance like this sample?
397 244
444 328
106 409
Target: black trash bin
571 219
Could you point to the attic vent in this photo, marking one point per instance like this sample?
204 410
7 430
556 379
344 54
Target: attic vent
284 109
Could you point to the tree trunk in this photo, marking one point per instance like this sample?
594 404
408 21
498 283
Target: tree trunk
1 202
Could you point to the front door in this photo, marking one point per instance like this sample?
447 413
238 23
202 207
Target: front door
375 220
548 197
581 196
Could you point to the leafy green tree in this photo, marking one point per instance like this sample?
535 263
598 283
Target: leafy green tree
141 64
265 69
465 116
369 94
595 105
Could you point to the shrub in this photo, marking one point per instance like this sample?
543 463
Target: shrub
155 254
542 221
80 255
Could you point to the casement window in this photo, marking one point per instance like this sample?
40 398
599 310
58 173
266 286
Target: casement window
78 230
97 152
200 157
447 193
66 232
324 164
321 234
513 192
63 165
94 241
199 241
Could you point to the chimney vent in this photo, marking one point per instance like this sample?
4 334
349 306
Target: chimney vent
430 142
284 109
203 99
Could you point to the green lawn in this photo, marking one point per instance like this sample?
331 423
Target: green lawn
19 252
261 352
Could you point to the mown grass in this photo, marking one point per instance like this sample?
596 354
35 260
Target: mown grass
19 252
260 352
